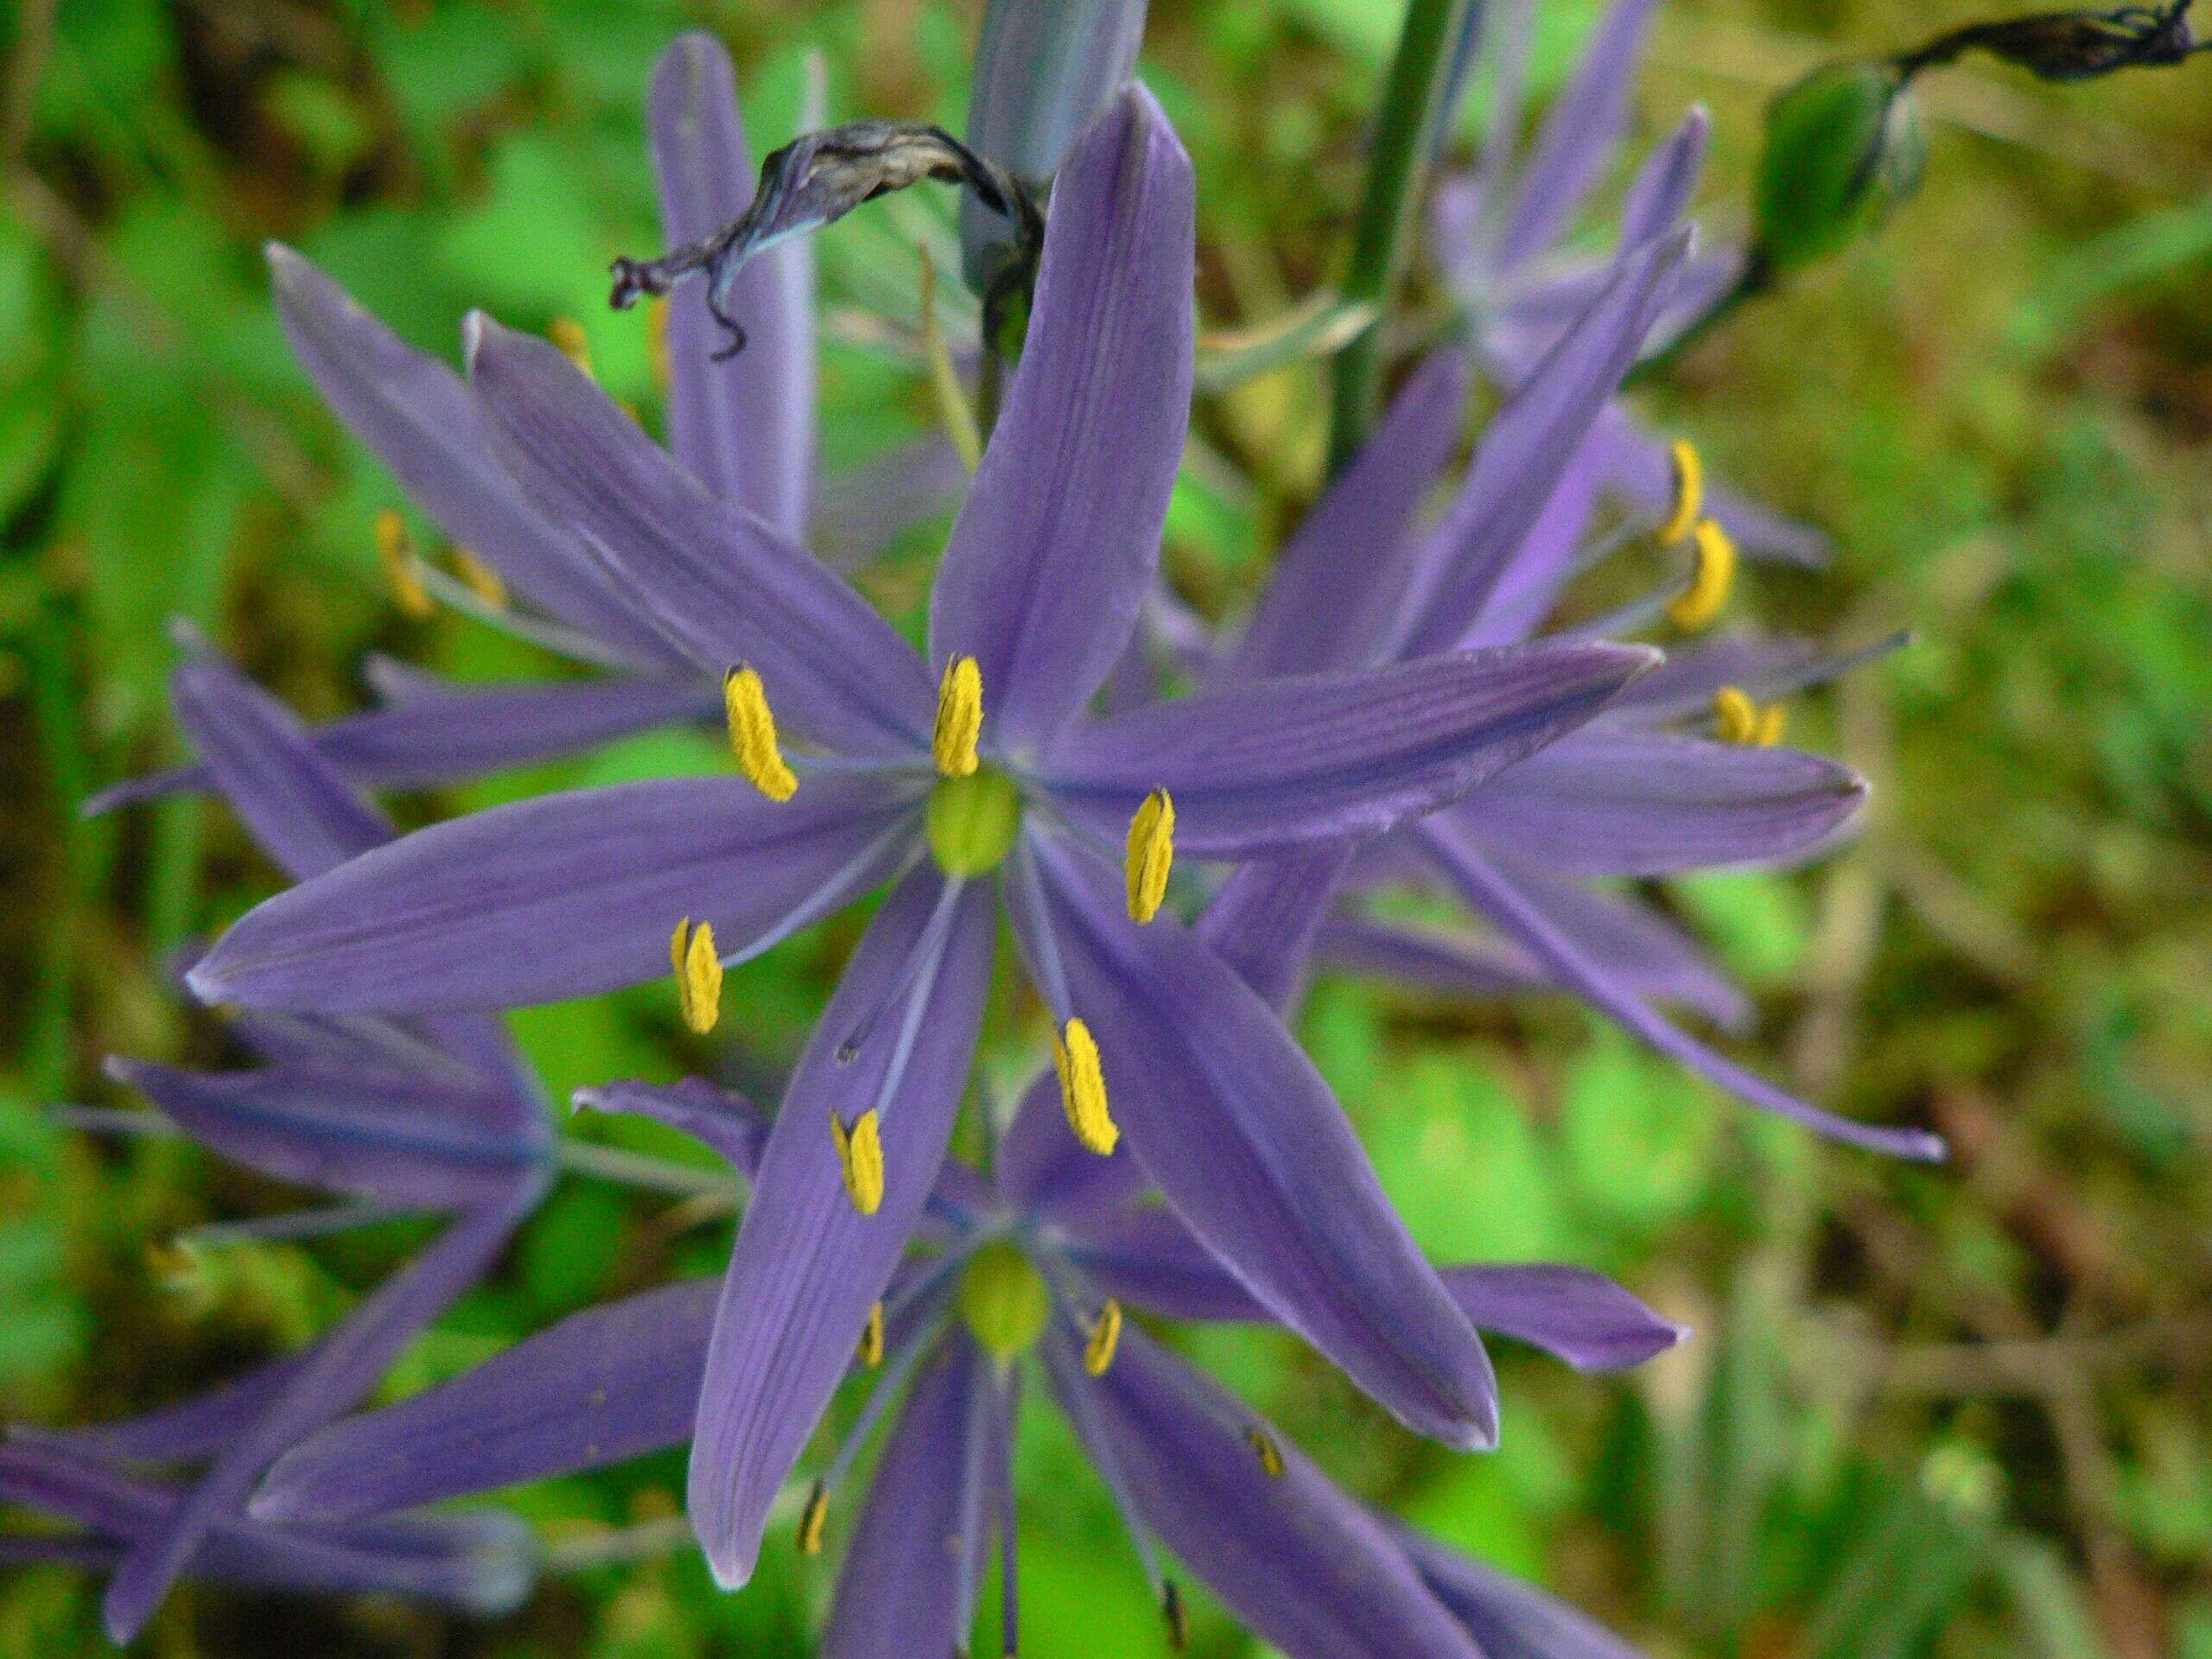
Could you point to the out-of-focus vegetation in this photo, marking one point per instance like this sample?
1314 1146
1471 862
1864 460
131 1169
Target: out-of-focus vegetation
1942 1412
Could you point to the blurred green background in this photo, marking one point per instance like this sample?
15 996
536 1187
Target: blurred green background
1950 1412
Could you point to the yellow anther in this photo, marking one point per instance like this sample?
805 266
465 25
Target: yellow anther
945 380
568 335
959 717
1737 718
480 578
1083 1088
395 552
699 975
1151 854
1270 1454
1774 720
860 1154
1105 1339
1715 573
1689 493
872 1338
812 1519
752 735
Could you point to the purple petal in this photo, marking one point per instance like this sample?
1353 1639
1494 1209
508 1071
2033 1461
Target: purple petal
1509 1619
858 514
1639 467
1148 1259
1579 135
1629 803
1058 542
416 415
381 1136
1682 687
1530 586
556 897
1451 574
1269 765
190 1429
344 1366
1663 186
1043 1168
1254 1154
1306 619
726 586
744 425
1486 890
1458 963
602 1386
807 1265
898 1594
1291 1555
727 1123
1265 919
1581 1316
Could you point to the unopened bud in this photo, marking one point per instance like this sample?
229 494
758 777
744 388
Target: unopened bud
1843 147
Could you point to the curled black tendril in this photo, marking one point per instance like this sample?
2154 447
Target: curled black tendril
2069 45
819 178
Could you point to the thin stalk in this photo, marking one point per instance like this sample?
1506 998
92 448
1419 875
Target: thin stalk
1405 127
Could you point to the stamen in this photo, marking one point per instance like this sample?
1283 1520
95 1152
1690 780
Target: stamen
1689 493
568 334
1715 573
1151 854
1270 1454
752 735
699 975
656 345
860 1154
1737 718
1083 1088
1178 1622
480 578
1105 1339
872 1338
945 380
1774 719
403 572
812 1519
959 717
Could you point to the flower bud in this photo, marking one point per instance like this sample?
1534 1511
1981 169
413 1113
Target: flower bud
1843 146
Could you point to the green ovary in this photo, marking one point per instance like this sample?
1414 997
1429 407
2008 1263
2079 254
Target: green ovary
1003 1300
972 822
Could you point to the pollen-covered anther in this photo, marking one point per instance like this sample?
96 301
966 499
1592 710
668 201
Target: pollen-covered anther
959 718
403 572
1151 854
1083 1088
1105 1340
752 735
699 975
812 1519
1711 577
860 1155
1264 1447
1737 718
1688 505
872 1338
480 578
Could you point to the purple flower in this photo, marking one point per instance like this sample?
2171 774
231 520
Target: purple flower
1649 787
1011 1282
743 429
983 776
1497 232
434 1116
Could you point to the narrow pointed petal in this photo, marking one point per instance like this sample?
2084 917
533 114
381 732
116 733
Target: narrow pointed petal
859 513
194 1427
416 415
1264 920
602 1386
1629 803
560 896
1450 573
744 425
726 586
1059 538
1682 687
1580 1316
1145 1258
1481 884
1274 763
1292 1556
1667 181
898 1592
727 1123
294 803
380 1135
1254 1155
1509 1618
1450 960
1299 626
1580 134
1528 588
807 1266
345 1367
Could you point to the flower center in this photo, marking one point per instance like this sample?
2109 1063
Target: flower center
1003 1300
972 821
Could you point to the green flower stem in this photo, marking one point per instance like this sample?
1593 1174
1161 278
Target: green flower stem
1404 129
